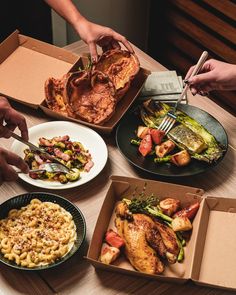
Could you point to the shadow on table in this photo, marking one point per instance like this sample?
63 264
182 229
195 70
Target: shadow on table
208 180
140 286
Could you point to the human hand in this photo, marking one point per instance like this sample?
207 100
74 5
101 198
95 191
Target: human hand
105 37
12 119
214 75
7 159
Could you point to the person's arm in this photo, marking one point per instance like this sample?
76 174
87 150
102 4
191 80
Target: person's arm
9 120
214 75
89 32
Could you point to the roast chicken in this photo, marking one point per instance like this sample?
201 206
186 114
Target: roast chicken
148 243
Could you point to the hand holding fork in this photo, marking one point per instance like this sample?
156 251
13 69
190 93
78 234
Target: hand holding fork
170 118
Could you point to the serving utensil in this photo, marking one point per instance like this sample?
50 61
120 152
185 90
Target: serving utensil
55 166
170 118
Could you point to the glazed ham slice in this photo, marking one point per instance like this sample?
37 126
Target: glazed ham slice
92 95
91 98
121 66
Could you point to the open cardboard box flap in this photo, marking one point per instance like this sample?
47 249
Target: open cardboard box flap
209 255
26 63
215 251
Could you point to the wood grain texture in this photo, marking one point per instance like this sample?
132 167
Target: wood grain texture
225 7
77 276
179 29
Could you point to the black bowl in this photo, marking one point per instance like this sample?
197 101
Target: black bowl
126 131
22 200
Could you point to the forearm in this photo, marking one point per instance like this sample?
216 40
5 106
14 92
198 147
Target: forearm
67 10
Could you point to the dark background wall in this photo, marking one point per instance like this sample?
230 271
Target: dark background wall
181 29
30 17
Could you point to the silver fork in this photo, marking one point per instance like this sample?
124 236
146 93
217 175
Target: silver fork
170 118
55 164
51 167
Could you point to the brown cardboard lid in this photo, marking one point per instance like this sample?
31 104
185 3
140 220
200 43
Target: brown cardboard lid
215 256
26 63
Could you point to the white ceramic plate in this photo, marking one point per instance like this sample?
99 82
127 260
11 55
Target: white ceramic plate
90 139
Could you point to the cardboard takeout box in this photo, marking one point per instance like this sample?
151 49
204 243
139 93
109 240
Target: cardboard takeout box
25 65
210 253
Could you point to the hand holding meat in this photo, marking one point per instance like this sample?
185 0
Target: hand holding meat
105 37
90 33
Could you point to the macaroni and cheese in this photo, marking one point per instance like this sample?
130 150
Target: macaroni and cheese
37 234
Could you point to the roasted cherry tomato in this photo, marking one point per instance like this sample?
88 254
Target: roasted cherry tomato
157 135
113 239
145 145
189 211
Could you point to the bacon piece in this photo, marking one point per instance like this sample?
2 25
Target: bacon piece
88 166
61 138
38 159
58 153
45 142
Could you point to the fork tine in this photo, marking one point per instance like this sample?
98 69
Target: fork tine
163 123
167 121
170 126
170 123
57 167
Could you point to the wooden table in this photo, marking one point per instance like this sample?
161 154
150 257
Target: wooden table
77 276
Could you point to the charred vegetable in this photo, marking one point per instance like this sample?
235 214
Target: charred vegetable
146 206
73 175
169 206
190 211
188 135
181 158
164 148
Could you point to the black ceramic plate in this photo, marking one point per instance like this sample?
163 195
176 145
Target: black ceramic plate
126 131
22 200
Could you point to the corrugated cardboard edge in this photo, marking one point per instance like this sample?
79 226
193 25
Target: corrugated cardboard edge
102 266
107 209
47 49
9 45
